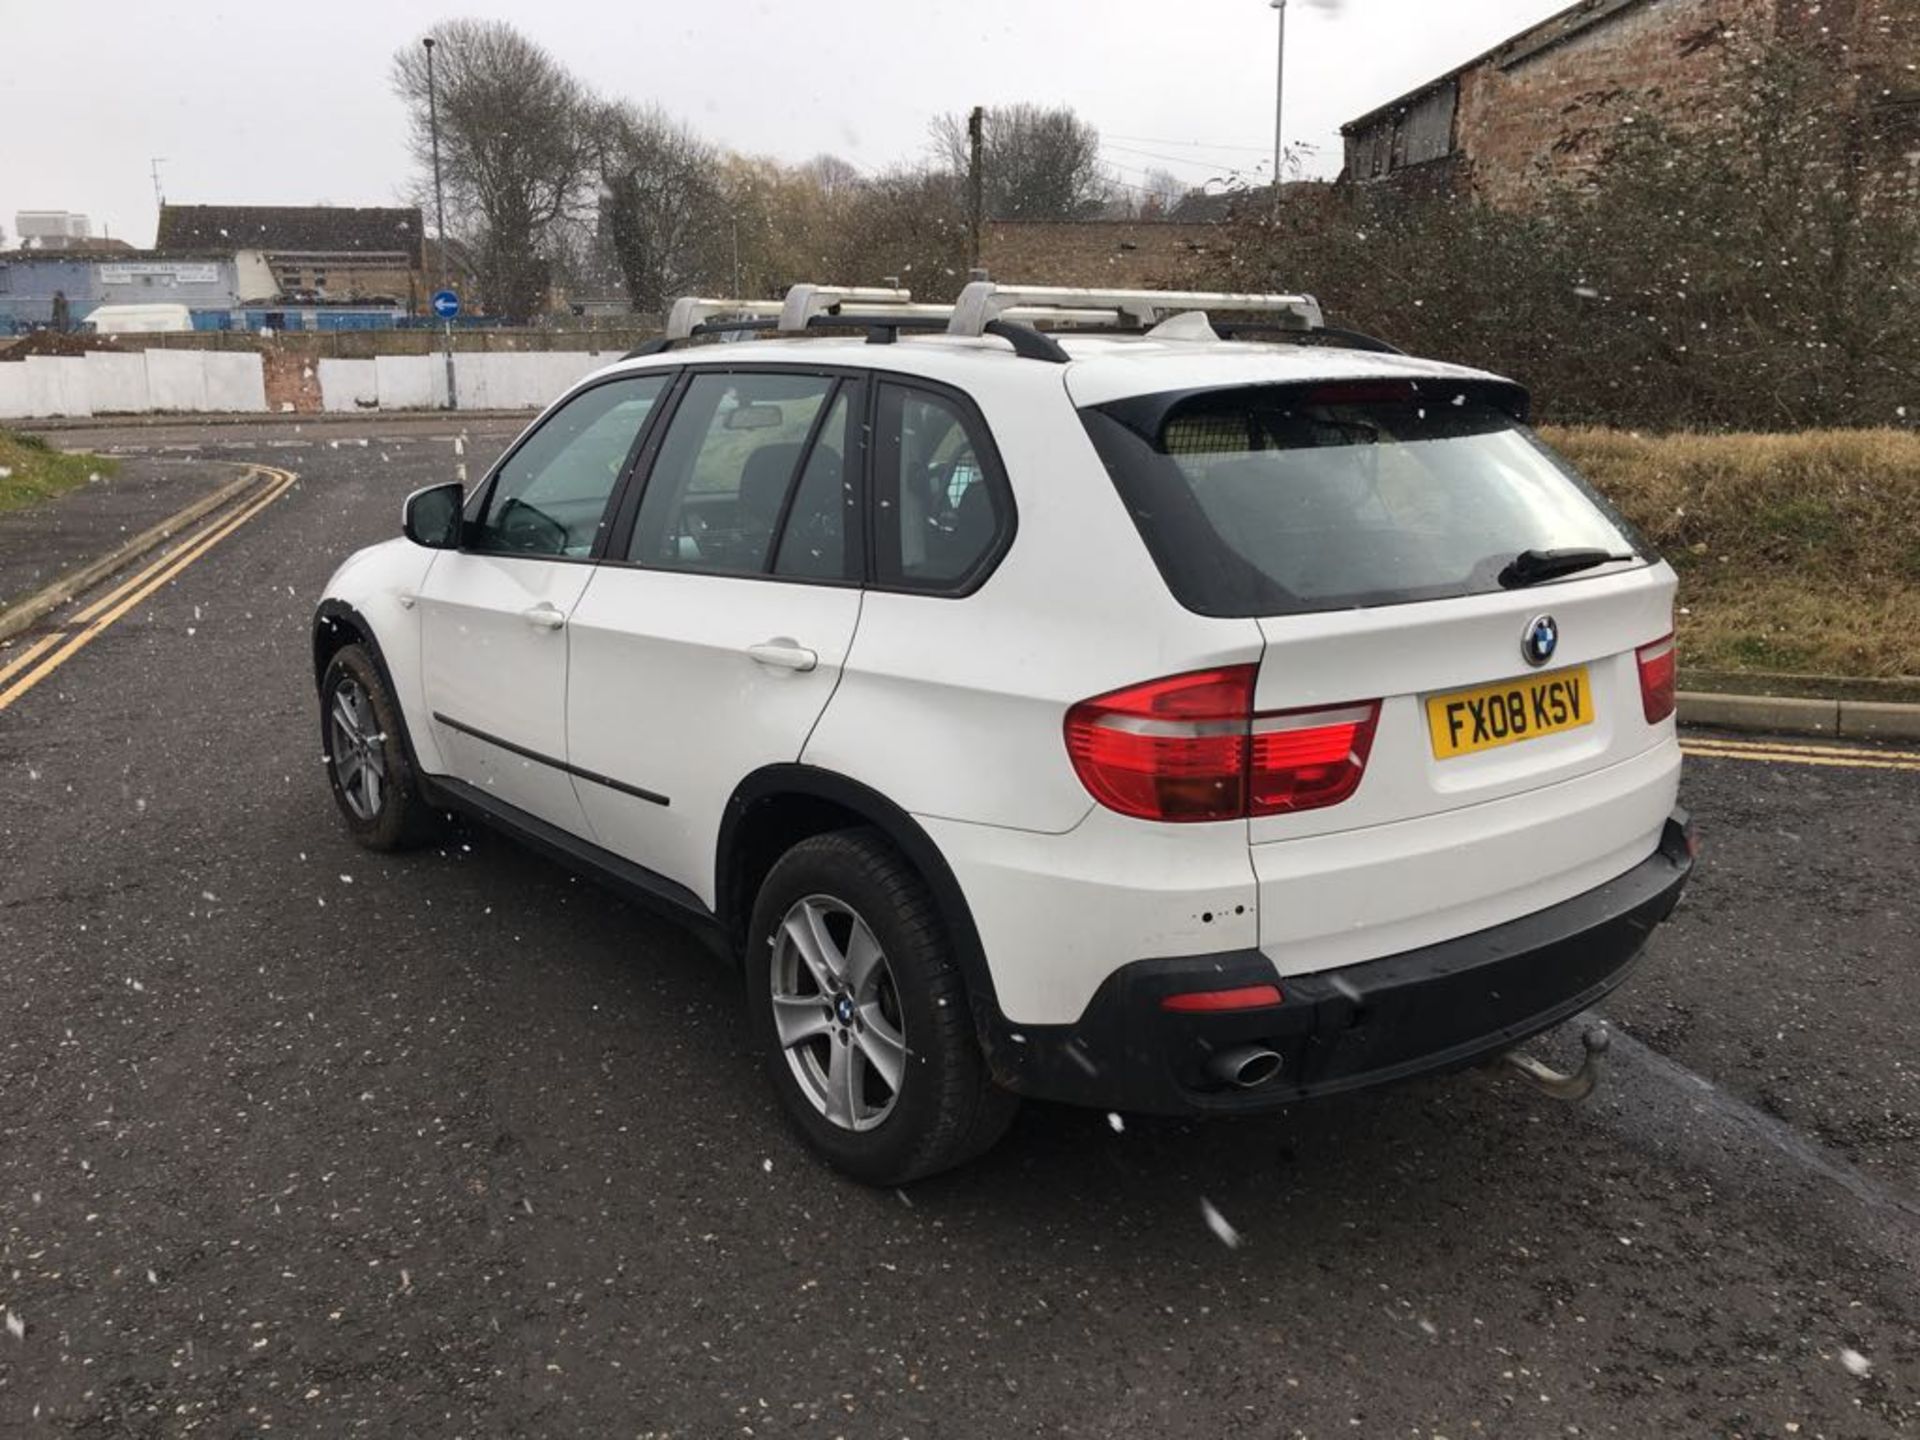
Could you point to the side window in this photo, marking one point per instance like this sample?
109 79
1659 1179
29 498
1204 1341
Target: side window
550 497
813 546
938 516
720 481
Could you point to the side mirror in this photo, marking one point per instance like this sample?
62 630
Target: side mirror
432 515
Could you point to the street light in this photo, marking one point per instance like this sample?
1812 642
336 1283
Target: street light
1279 95
440 211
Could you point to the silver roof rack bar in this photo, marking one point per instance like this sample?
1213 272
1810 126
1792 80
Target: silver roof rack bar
984 301
801 304
1178 314
690 311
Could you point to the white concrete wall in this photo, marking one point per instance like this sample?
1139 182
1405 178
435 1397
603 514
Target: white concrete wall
406 382
176 379
349 385
106 382
13 391
527 380
117 383
236 381
56 385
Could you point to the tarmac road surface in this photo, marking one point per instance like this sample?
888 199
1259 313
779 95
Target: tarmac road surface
301 1140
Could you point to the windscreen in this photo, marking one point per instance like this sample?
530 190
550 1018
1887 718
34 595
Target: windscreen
1266 500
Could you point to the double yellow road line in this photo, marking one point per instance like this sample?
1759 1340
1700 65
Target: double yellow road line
51 651
1783 752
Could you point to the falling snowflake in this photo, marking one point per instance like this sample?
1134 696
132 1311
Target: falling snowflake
1856 1363
1116 1122
1216 1222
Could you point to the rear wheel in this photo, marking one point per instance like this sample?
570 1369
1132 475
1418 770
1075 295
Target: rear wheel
367 766
863 1015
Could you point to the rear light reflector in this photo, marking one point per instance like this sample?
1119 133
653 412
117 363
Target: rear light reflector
1190 748
1656 679
1247 997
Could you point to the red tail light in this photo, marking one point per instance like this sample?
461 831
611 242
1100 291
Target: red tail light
1306 759
1656 679
1190 748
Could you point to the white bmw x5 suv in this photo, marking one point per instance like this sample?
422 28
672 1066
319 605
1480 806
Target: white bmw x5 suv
1189 720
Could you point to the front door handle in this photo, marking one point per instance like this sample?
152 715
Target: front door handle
545 616
784 654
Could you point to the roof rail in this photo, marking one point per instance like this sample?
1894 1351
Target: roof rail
801 304
1006 311
984 301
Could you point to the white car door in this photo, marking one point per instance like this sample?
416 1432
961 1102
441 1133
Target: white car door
494 613
708 646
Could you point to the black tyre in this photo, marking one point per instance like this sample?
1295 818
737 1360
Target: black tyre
367 765
855 998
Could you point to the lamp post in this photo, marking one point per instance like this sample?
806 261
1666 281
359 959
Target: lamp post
1279 96
440 213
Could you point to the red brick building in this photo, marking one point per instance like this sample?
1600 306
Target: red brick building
1545 106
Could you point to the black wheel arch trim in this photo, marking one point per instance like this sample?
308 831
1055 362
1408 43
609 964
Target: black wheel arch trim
340 613
906 834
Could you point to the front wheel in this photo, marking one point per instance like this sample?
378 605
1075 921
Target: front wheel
367 765
855 997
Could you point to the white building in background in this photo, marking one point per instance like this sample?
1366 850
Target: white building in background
51 229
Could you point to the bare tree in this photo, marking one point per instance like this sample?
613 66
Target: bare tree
1038 163
663 211
514 150
833 176
1161 190
909 223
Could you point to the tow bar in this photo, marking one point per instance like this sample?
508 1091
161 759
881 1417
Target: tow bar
1551 1082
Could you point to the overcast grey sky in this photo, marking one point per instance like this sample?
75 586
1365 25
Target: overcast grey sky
264 102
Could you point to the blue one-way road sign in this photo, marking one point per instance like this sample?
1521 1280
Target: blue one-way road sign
446 304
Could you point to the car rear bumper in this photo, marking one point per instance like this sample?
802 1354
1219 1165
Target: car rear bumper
1437 1008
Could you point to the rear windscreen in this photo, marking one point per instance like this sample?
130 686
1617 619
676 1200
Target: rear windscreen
1268 500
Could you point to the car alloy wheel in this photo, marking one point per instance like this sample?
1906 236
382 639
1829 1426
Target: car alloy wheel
357 750
837 1013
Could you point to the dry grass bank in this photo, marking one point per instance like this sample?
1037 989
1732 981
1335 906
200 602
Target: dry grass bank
1796 552
32 471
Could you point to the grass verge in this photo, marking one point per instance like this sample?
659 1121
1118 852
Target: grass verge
32 470
1796 553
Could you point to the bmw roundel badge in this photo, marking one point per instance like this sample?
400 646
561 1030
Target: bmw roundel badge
1541 639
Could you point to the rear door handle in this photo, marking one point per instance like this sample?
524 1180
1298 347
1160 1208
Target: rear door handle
784 654
544 616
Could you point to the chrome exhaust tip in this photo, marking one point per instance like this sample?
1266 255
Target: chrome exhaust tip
1558 1085
1244 1066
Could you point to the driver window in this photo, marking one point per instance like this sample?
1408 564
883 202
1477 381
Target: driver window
550 496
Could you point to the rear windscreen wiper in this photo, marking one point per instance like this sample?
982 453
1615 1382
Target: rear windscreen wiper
1531 567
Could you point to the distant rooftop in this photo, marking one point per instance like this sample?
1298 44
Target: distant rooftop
1556 29
313 229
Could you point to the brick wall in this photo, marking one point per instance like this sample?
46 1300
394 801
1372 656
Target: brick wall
1550 116
292 381
1546 107
1116 254
1882 42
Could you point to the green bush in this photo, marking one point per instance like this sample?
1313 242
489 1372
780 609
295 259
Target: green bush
1743 278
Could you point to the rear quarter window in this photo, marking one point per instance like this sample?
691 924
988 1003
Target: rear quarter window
1268 500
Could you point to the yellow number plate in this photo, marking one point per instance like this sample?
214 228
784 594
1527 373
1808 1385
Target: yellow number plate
1470 720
